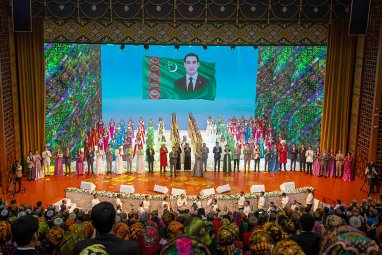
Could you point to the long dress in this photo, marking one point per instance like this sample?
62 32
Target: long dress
197 171
99 162
178 163
274 163
183 145
348 165
260 141
316 165
80 168
37 167
118 161
187 158
332 165
163 157
140 166
58 168
227 161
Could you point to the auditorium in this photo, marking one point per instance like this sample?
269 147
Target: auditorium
190 127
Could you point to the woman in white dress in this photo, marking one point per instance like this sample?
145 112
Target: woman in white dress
99 161
118 160
140 167
182 145
212 132
208 128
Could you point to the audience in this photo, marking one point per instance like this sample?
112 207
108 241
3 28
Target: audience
341 229
25 234
103 218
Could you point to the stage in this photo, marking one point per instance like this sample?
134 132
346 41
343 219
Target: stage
51 189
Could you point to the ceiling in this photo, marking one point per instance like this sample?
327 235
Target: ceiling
195 10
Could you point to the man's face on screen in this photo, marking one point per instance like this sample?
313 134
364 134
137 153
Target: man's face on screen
191 64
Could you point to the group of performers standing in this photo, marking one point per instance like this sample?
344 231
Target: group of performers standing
244 139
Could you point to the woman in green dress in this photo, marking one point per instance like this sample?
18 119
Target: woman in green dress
227 159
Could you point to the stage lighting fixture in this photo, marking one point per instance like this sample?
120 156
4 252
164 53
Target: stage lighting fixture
232 47
122 47
146 47
204 47
176 47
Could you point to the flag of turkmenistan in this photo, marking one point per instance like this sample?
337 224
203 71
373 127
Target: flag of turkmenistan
165 78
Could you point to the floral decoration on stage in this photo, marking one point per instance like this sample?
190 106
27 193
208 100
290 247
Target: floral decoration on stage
111 194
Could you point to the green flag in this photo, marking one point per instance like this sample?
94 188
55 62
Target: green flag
165 78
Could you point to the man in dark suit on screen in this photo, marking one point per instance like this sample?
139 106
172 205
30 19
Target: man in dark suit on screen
193 82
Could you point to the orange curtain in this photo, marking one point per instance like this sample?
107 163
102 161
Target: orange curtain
31 87
338 87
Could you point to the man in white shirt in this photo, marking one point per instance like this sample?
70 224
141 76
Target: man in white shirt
241 201
146 204
46 155
181 203
95 200
211 200
247 208
309 200
284 200
214 205
197 203
261 202
118 202
294 205
309 159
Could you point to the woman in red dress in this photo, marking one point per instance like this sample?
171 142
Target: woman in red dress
348 166
283 151
163 157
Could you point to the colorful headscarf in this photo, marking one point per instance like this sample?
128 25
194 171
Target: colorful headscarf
149 240
174 229
70 239
287 247
5 232
348 240
95 249
121 230
334 221
54 236
185 245
225 222
260 242
135 230
42 228
197 228
274 231
87 229
225 240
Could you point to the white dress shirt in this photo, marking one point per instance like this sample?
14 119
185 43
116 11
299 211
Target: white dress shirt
309 199
261 203
181 203
95 201
241 202
284 201
309 156
247 210
146 205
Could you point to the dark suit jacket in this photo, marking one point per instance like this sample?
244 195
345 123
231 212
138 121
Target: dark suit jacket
25 252
309 242
150 158
113 244
201 83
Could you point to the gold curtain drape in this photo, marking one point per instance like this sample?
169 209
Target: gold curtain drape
31 87
338 87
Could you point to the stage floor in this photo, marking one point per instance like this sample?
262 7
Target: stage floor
51 189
